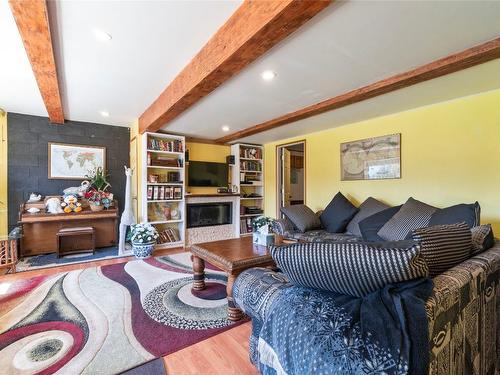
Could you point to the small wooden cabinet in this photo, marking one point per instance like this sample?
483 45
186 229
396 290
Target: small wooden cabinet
40 230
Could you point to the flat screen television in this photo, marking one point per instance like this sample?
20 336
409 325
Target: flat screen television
202 173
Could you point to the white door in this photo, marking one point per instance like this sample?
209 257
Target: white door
286 193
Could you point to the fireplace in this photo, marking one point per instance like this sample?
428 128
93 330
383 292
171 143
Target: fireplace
209 214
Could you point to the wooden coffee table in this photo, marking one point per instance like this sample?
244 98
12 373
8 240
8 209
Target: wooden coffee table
231 256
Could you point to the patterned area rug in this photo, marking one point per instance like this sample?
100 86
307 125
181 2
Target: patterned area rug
108 319
51 260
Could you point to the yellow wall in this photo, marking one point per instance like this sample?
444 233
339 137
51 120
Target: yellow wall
206 152
3 174
450 154
136 140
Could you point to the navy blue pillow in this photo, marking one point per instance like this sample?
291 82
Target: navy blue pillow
470 213
370 226
338 214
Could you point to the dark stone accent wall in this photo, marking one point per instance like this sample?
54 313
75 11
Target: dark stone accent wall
28 138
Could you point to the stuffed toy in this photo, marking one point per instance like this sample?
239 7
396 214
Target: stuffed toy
71 204
53 206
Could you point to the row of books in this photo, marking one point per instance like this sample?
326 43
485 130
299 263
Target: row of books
250 166
159 193
246 225
251 153
165 145
169 235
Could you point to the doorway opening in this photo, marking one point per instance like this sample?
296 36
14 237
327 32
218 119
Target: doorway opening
291 172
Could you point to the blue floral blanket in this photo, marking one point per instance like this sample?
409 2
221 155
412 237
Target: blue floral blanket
308 331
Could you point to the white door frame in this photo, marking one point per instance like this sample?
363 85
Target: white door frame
279 173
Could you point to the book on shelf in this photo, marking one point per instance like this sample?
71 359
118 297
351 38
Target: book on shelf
246 225
161 193
168 235
165 145
250 152
150 192
252 166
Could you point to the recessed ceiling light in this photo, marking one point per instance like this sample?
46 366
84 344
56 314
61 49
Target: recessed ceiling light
104 113
102 35
268 75
225 128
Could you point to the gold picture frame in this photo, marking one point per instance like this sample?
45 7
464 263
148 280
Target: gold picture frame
376 158
72 161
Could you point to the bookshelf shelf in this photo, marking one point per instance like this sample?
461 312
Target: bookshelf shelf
166 152
248 174
166 221
165 200
162 167
160 148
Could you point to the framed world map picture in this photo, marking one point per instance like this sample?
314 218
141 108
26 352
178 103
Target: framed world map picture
74 162
371 159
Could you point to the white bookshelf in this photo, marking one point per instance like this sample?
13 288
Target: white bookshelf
155 207
248 175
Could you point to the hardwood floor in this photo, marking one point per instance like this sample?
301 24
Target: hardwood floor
224 354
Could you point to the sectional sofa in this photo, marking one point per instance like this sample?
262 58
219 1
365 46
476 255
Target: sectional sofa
462 310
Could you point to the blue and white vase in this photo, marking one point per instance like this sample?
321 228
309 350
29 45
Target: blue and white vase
143 250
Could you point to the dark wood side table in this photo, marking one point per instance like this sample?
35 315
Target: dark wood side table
231 256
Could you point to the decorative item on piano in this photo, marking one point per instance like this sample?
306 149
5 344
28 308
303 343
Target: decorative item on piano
97 194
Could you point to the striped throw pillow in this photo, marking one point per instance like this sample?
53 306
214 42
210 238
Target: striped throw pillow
412 215
356 268
482 238
444 246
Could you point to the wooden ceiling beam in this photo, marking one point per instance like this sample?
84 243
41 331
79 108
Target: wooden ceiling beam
251 31
449 64
32 20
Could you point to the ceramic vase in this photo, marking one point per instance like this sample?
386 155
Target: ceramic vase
143 250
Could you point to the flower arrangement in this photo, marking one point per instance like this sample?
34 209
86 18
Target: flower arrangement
262 224
97 194
143 233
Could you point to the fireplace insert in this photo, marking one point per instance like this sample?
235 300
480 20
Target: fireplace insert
209 214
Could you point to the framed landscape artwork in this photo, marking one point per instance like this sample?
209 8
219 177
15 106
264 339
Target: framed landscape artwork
74 162
371 159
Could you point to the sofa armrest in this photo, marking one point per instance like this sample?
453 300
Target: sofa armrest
282 226
255 289
463 316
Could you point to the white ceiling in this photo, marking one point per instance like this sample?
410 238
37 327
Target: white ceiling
152 41
481 78
18 89
347 46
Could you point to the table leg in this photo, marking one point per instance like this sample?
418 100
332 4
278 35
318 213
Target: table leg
199 273
233 313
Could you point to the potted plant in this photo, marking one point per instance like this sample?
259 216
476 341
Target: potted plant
97 194
262 231
143 238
